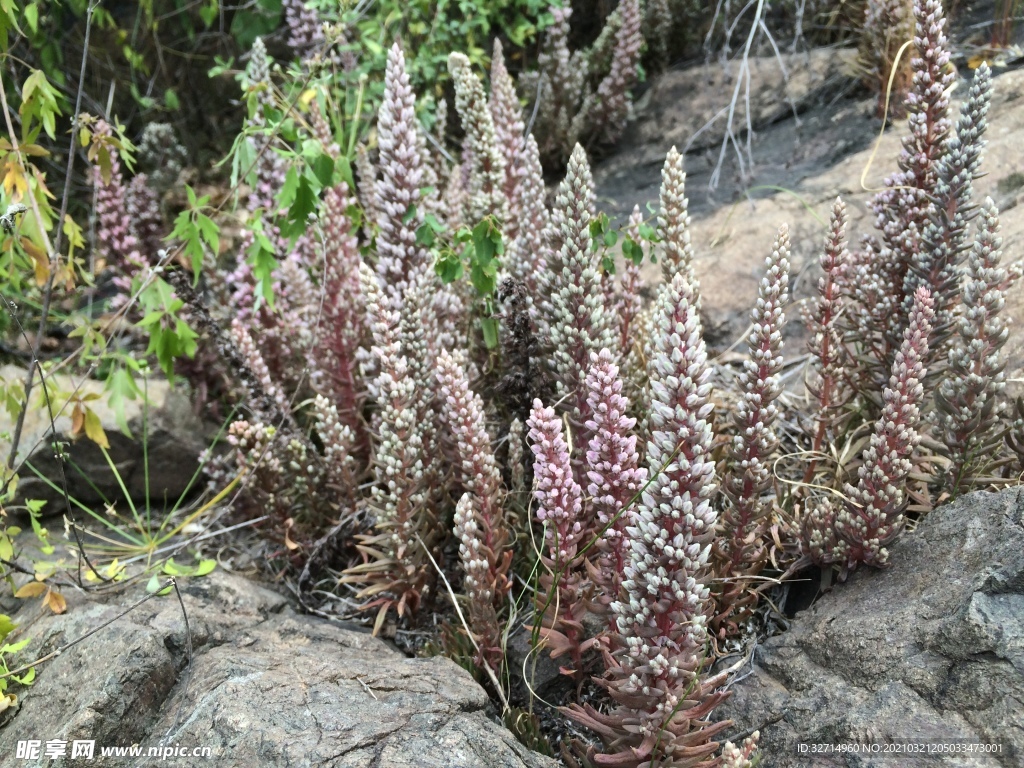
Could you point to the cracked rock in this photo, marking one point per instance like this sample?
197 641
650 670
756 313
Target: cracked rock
928 650
267 687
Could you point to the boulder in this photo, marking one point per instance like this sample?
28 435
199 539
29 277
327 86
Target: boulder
684 107
929 650
267 687
176 437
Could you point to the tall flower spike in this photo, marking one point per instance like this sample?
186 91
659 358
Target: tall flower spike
873 517
366 189
270 170
613 471
674 222
556 88
578 323
419 339
161 154
395 563
968 396
342 325
487 180
305 27
339 443
657 28
902 210
251 355
755 442
516 465
937 265
607 112
484 536
529 252
397 191
826 344
654 674
509 128
143 208
630 303
115 237
560 508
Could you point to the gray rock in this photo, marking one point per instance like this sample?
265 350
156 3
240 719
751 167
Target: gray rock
267 688
176 437
930 649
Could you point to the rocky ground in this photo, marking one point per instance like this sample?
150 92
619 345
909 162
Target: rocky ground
266 687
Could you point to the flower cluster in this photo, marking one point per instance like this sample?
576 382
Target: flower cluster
654 672
397 190
873 516
507 116
560 603
487 178
405 528
936 265
577 323
608 109
116 239
371 397
968 397
745 518
479 517
569 107
528 253
828 357
161 156
613 471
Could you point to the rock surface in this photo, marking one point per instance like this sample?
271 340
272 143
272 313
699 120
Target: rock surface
176 437
267 688
684 107
930 649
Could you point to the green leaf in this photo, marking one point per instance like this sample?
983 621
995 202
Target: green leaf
153 585
208 13
649 233
121 387
261 259
290 188
448 266
171 568
489 325
484 277
32 17
425 236
210 233
254 20
323 169
14 647
205 567
171 100
633 251
344 170
38 105
6 626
